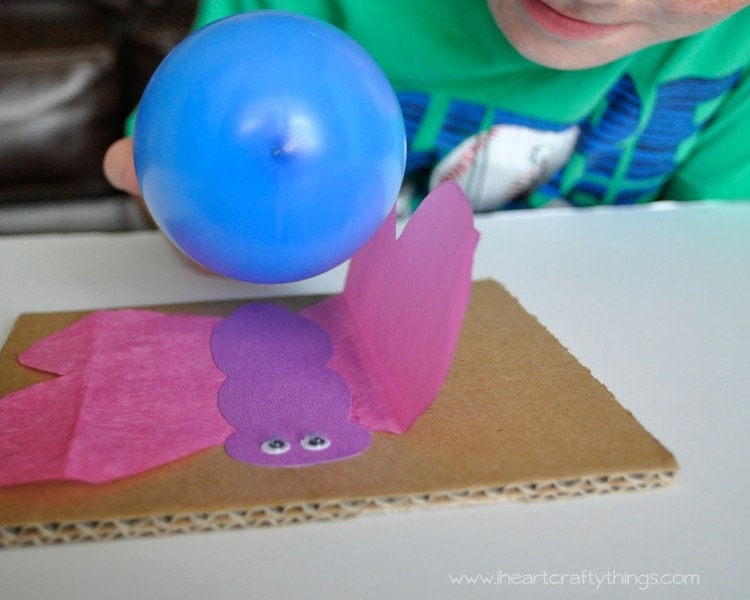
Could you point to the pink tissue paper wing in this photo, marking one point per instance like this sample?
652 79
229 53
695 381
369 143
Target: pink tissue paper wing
396 326
279 390
137 390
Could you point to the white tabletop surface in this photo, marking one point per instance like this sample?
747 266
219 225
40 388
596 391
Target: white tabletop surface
656 302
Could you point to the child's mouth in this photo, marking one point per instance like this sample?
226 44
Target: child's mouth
563 26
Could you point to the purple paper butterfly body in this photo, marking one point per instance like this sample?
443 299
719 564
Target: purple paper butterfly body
288 407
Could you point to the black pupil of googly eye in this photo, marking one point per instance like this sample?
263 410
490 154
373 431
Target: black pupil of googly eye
316 441
276 444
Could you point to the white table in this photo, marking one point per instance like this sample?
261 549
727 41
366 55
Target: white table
656 302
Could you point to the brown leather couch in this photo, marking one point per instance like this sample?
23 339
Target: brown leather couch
70 72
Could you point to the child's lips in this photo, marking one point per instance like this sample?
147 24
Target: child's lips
564 26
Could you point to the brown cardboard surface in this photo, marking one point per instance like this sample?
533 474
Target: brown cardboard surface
518 418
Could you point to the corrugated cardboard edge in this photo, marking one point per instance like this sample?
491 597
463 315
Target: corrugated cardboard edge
40 534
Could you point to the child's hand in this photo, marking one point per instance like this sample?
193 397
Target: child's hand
119 168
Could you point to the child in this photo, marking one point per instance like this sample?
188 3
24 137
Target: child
535 102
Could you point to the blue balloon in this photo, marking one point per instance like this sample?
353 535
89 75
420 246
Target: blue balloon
269 146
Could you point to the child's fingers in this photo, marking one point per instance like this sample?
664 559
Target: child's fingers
119 168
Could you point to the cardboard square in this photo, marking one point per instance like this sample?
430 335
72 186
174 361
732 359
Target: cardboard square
519 418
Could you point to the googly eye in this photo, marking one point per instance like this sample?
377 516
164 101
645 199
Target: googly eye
315 442
275 446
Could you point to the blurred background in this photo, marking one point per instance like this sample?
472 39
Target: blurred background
70 73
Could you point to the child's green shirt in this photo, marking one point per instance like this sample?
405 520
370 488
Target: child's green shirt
671 121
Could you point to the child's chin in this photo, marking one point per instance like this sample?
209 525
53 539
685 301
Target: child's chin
571 53
568 59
